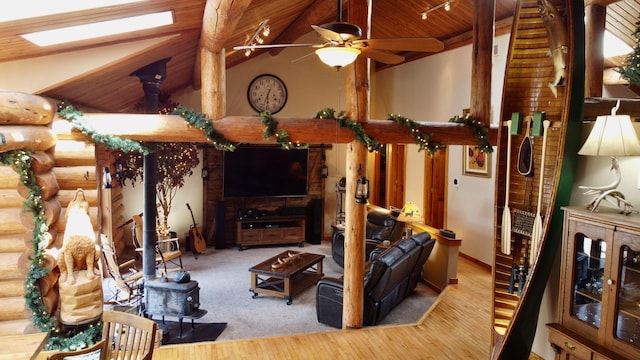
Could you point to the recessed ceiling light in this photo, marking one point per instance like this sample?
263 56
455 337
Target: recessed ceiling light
27 9
99 29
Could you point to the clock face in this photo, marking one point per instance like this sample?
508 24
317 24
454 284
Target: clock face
267 92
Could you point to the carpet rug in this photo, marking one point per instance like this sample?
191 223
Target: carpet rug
200 331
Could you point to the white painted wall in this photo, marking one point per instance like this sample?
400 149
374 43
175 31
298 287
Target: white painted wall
435 89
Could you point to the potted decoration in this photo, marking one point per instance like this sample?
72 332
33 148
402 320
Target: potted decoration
176 161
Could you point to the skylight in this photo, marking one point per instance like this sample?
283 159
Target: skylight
99 29
27 9
613 46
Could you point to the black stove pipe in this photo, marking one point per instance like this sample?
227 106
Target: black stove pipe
151 76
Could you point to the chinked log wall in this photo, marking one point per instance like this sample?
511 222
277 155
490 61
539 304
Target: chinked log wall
61 165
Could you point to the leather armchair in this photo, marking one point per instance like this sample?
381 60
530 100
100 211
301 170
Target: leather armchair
381 225
389 278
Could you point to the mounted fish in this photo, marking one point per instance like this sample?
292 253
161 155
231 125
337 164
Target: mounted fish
557 37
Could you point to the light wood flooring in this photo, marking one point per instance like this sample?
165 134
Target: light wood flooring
457 326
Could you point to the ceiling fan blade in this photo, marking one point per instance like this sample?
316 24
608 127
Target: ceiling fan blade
270 46
328 34
403 44
382 56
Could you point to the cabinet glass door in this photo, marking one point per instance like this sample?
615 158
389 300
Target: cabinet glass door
627 326
589 265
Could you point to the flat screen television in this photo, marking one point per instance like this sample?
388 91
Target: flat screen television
252 171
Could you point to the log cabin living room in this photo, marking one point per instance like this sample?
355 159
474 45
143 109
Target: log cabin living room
206 74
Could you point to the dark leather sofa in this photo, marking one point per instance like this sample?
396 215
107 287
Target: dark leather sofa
389 278
381 225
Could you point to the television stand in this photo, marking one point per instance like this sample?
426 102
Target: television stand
270 230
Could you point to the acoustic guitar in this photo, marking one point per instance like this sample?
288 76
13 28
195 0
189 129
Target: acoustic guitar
198 245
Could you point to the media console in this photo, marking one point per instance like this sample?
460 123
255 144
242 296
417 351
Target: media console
270 230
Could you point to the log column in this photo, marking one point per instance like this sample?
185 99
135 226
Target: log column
481 62
595 21
357 104
219 20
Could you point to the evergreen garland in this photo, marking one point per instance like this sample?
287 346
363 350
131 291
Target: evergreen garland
200 121
20 162
423 140
630 68
478 128
68 112
328 113
281 135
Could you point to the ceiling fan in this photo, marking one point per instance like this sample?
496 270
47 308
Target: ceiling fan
341 44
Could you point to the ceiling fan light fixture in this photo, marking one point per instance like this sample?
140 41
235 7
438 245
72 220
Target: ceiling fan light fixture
337 56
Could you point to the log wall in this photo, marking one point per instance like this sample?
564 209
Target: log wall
62 163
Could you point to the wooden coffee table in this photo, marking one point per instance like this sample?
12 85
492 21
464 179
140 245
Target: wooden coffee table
288 279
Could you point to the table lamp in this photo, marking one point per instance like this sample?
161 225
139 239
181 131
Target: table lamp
612 135
410 213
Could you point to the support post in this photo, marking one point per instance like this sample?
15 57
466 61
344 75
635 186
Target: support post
354 243
482 59
595 22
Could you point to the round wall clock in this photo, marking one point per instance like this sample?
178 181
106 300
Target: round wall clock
267 92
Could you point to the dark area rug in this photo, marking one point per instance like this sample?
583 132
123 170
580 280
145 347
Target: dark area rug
199 332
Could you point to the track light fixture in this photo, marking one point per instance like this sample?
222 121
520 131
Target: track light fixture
446 5
261 32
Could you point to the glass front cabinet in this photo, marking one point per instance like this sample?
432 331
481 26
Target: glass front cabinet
599 296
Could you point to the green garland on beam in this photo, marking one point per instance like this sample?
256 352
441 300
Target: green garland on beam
200 121
479 130
328 113
68 112
421 139
281 135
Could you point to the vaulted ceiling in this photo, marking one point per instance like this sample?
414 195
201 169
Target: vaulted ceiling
110 88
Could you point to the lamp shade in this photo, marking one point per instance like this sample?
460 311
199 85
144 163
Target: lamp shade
612 135
410 213
337 56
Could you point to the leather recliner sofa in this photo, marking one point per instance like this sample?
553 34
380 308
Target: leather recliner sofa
389 278
381 225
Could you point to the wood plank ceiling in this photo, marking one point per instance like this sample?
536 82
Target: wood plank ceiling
110 88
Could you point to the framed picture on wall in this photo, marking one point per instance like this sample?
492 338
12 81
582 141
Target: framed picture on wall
475 162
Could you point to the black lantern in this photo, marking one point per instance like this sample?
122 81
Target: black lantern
106 179
324 171
362 190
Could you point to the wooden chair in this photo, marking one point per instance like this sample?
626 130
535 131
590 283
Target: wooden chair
128 336
97 351
127 285
167 250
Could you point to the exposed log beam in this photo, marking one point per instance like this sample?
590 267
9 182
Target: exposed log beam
218 22
249 129
599 2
